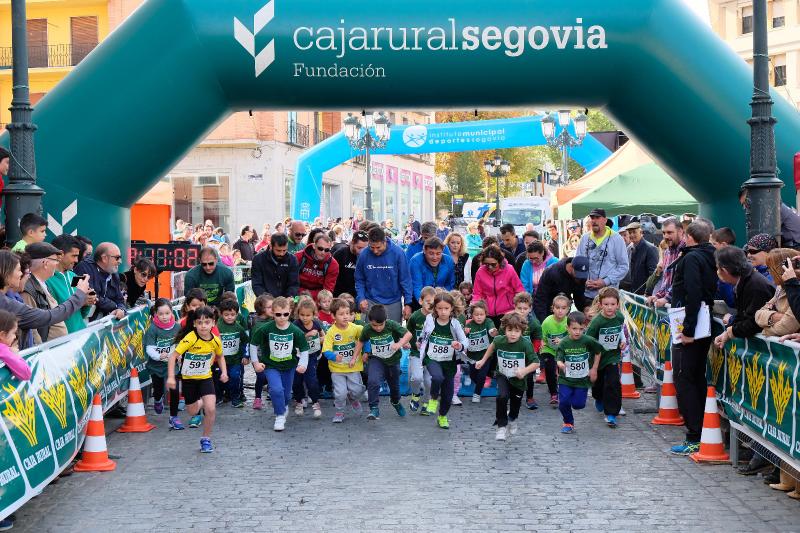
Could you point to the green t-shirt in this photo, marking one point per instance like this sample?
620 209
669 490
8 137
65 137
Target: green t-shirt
440 349
234 341
533 331
512 356
279 348
164 341
214 285
381 342
552 332
578 356
608 332
415 324
478 338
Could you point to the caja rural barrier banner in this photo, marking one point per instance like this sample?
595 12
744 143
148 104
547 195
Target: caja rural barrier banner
756 379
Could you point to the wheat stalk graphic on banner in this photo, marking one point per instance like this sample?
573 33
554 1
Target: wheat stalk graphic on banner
781 388
55 397
755 379
77 379
717 358
734 367
20 410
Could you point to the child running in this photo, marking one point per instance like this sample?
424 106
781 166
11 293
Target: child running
234 348
313 330
199 348
460 313
278 348
442 342
159 341
418 378
479 329
385 338
577 357
516 359
339 349
263 314
554 328
606 328
523 304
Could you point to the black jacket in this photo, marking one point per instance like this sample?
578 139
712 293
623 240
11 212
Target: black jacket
644 260
246 248
694 281
555 280
275 276
346 282
107 287
752 292
792 288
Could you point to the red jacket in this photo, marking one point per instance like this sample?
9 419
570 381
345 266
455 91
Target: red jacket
497 288
316 275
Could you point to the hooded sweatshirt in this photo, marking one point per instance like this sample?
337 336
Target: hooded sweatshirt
608 259
497 288
383 278
316 274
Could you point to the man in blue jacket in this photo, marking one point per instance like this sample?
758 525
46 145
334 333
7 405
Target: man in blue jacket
428 230
382 277
432 267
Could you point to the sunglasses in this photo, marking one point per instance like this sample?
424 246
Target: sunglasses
115 257
751 251
299 235
320 249
362 235
490 264
210 264
282 314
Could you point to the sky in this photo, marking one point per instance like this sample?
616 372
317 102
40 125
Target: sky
700 8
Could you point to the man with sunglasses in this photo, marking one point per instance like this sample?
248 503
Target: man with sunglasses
297 232
103 271
318 269
607 253
347 257
210 276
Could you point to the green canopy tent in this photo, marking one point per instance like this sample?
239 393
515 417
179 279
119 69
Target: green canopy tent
645 189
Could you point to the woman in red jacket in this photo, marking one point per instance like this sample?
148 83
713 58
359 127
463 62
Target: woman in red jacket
318 269
496 283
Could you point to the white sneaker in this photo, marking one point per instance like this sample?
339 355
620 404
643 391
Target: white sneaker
467 381
280 423
306 402
317 410
513 427
501 434
476 398
622 411
298 409
456 400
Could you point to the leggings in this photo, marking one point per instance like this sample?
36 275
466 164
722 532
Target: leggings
158 394
441 385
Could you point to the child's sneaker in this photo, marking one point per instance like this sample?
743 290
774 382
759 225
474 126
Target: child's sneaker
175 423
355 405
298 408
158 407
413 404
317 410
374 414
476 398
467 380
540 378
513 427
280 423
531 404
238 403
598 405
687 448
181 404
443 422
258 403
456 400
622 411
554 400
431 408
567 428
502 433
487 383
195 421
206 446
611 420
338 418
401 411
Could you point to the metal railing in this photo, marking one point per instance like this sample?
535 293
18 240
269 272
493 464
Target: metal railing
51 55
298 134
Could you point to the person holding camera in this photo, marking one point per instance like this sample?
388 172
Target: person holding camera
776 316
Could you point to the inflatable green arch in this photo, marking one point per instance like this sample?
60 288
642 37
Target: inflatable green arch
176 68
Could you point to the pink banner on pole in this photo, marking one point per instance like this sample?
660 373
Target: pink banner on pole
405 177
428 181
377 171
417 180
391 174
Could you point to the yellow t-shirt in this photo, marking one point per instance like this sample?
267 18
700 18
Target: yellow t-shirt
343 341
198 355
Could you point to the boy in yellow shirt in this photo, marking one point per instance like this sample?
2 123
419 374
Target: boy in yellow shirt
339 349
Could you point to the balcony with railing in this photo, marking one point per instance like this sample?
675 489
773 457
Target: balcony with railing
297 134
51 55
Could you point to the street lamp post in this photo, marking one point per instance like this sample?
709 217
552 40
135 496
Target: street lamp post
763 204
563 141
22 195
497 168
369 132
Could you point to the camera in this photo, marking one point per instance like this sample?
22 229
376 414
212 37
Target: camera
796 262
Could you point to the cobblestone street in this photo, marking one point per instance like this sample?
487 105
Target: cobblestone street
408 475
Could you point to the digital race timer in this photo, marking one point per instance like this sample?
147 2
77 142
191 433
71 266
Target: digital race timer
172 257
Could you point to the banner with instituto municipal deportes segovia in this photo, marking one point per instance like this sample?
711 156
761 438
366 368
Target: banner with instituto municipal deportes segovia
756 379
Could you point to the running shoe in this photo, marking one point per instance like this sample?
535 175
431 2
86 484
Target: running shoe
181 404
502 433
567 428
540 378
6 524
374 414
401 411
686 448
513 427
431 408
487 383
195 421
413 404
355 405
622 411
158 407
175 423
206 446
443 422
298 408
237 403
280 423
258 403
611 420
456 400
338 418
317 410
531 404
554 400
476 398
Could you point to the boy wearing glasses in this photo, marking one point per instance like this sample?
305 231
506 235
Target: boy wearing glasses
318 269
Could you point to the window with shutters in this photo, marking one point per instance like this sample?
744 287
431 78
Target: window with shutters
747 20
83 31
37 43
778 14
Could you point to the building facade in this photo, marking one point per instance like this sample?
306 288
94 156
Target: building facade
733 21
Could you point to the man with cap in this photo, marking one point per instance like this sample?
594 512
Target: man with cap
45 259
607 253
643 259
757 250
567 277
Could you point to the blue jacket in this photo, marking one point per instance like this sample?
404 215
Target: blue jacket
413 249
384 278
107 287
422 274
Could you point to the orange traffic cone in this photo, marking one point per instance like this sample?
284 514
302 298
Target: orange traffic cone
668 414
628 385
135 419
711 447
95 452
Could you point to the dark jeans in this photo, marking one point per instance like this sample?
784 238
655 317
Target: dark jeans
478 377
233 386
307 381
158 394
505 393
442 387
608 389
570 398
689 366
377 371
550 372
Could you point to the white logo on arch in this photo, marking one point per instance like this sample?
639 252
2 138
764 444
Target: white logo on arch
415 136
248 40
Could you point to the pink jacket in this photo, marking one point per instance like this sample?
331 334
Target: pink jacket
16 364
497 288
